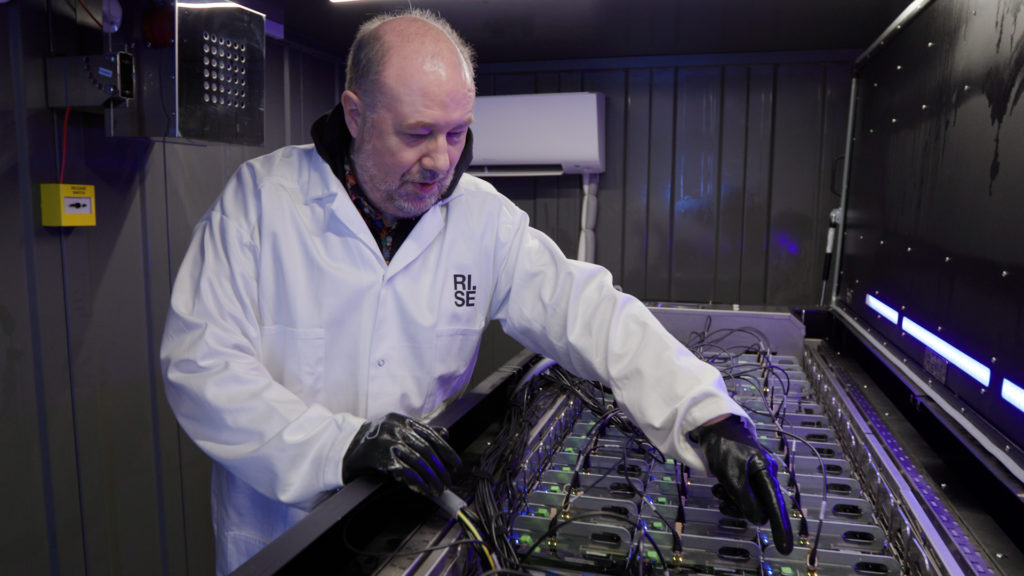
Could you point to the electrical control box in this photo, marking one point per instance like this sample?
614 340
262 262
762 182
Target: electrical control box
68 204
89 81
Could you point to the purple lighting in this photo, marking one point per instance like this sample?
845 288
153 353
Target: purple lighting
1013 394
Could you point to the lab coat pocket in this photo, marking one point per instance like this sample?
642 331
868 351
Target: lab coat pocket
295 358
455 351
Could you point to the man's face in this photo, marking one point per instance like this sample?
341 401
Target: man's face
410 136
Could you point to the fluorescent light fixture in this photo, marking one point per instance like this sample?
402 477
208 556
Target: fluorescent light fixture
1013 394
972 367
878 306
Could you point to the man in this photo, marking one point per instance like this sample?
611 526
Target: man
335 293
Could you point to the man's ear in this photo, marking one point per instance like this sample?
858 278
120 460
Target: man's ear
353 108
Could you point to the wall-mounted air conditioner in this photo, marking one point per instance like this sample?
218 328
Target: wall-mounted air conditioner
538 134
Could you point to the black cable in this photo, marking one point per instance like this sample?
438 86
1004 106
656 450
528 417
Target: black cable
813 553
677 538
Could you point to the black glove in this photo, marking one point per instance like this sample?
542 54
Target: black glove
746 473
403 449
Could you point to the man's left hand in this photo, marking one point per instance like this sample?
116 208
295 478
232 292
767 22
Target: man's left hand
747 476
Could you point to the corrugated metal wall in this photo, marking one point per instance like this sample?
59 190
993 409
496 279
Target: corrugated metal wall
716 189
719 168
97 476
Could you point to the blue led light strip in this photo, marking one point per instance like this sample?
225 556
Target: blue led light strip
887 312
912 473
969 365
1013 394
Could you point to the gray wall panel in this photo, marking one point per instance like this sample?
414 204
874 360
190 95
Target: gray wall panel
634 225
792 245
40 144
728 245
611 197
273 94
695 185
660 174
157 275
567 234
757 190
25 544
318 93
110 485
694 202
112 399
546 190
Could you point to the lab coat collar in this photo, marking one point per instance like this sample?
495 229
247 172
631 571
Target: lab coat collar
428 227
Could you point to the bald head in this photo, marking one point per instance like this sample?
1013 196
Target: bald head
408 105
414 36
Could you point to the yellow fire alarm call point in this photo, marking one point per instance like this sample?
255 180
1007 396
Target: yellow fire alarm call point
69 204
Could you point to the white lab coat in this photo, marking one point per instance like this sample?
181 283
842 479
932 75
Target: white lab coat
287 331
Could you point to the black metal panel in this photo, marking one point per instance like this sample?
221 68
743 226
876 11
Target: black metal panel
935 193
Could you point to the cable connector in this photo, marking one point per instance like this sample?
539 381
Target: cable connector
450 502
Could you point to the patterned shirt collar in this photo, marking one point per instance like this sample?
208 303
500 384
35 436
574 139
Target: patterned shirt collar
389 237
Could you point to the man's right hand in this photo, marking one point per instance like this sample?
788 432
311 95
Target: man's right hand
747 478
403 449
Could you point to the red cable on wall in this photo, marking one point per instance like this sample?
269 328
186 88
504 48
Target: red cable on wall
86 8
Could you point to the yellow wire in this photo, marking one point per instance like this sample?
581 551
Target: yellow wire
464 520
